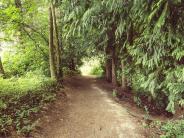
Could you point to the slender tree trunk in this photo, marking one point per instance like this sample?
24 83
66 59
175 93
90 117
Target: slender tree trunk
60 42
123 80
113 54
1 68
114 66
108 65
72 65
51 47
18 5
57 45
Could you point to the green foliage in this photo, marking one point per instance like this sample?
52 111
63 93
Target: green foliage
24 59
97 71
21 98
16 86
154 57
173 129
24 37
137 100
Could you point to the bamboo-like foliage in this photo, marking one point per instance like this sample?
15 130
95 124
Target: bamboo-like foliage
141 41
148 38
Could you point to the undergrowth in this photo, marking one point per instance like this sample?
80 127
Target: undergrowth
20 100
168 129
173 129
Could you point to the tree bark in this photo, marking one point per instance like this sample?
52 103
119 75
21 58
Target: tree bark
1 68
57 45
114 66
123 79
72 65
18 5
108 65
113 54
53 72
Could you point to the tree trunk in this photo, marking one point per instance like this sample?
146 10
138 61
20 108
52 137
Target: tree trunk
114 66
60 42
113 54
72 65
123 79
108 65
1 68
57 45
18 5
53 72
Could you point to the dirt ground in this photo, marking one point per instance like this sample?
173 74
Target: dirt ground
88 111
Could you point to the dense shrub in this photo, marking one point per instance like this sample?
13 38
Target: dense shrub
23 60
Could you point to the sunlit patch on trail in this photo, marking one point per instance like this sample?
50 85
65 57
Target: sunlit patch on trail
98 89
119 114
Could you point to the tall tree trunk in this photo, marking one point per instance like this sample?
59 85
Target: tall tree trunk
108 65
113 54
57 45
1 68
53 71
60 42
114 66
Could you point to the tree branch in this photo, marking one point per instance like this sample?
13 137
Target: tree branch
35 30
36 44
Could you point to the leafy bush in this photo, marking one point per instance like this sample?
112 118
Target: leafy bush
173 129
21 98
24 59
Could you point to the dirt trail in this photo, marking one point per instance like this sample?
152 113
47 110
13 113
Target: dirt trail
88 113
